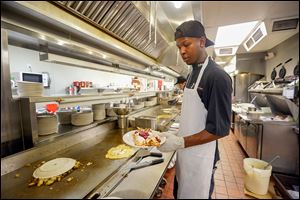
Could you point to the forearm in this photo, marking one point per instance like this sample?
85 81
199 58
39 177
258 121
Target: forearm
199 138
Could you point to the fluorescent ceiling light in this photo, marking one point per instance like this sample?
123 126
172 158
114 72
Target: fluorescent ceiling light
177 4
256 36
233 35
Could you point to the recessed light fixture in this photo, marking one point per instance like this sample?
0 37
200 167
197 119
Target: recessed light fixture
231 36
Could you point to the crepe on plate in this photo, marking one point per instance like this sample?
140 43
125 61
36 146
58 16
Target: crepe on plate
146 137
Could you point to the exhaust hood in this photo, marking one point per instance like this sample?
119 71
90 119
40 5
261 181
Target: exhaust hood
117 28
130 22
53 58
120 19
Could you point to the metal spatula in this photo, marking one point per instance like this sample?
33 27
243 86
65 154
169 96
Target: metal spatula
143 153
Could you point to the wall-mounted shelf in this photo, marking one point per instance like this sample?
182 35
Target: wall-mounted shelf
87 100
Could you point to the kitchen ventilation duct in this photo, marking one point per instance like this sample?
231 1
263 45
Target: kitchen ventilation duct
285 24
120 19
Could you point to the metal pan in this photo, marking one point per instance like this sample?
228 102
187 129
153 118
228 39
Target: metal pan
282 71
296 70
273 74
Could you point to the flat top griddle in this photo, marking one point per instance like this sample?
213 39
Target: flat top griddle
83 181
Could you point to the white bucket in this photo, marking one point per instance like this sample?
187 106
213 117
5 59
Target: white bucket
257 179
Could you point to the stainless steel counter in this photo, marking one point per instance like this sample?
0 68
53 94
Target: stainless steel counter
141 183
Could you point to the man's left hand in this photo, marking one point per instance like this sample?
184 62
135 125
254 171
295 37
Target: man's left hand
172 143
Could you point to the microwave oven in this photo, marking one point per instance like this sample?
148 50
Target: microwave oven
31 77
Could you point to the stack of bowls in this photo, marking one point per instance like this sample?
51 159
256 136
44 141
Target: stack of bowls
47 124
30 89
82 118
64 116
99 111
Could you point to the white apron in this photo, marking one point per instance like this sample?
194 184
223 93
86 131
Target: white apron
194 165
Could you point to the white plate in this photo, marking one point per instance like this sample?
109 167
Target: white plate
128 139
54 167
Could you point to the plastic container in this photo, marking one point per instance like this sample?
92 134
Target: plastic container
257 179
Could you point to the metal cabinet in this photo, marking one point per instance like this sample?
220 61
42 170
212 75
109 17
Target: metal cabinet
236 125
279 138
253 140
243 133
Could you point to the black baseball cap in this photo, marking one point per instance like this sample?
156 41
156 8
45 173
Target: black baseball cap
192 28
180 79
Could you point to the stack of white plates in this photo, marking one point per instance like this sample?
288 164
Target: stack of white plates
82 118
29 89
64 116
47 124
99 111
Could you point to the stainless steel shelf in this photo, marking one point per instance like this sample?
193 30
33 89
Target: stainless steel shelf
91 97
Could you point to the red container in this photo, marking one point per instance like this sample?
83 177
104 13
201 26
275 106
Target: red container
51 108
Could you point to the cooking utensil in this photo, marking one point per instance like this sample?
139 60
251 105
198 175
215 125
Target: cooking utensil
275 158
296 70
147 163
143 153
274 73
282 71
115 180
